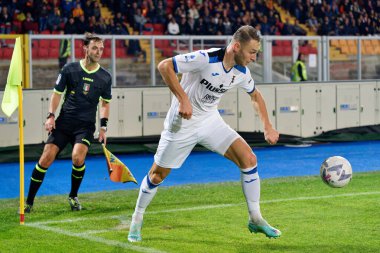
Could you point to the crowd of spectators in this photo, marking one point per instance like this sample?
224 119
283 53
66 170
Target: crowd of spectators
190 17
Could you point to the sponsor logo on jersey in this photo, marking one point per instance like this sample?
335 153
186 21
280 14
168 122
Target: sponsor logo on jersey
87 79
202 53
212 88
208 99
214 74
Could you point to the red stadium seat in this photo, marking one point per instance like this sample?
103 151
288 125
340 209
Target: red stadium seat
107 53
35 53
7 53
43 53
53 53
78 44
44 43
54 43
79 53
120 53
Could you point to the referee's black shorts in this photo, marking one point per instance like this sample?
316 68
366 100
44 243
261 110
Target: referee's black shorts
71 131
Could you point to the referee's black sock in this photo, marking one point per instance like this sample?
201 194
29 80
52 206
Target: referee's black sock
35 182
77 175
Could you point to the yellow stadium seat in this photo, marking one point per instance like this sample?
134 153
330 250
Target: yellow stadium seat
345 50
342 43
351 43
334 43
366 43
375 43
353 50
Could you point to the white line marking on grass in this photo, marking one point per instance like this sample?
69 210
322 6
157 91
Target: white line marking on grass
264 202
86 235
96 239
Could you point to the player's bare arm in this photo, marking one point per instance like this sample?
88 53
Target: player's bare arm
169 76
271 135
54 102
104 113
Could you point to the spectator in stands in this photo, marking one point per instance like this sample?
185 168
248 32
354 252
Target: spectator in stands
184 27
97 12
200 27
5 21
287 28
140 22
297 29
81 25
54 20
66 7
88 9
77 11
132 9
298 70
158 14
101 27
29 26
134 49
70 26
64 51
227 26
173 27
43 17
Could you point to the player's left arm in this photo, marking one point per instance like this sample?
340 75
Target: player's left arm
104 110
271 135
104 114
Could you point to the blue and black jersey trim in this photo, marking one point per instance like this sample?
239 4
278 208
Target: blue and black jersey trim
216 56
175 65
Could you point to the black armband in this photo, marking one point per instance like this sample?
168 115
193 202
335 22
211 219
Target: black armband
103 122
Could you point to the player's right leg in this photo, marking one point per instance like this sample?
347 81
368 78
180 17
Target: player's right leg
38 174
148 190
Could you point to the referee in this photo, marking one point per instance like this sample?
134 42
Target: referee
84 85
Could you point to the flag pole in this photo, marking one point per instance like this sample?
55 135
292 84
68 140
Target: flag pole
21 135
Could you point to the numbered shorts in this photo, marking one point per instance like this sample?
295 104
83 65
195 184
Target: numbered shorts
180 136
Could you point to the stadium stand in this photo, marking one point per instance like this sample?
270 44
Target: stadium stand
274 18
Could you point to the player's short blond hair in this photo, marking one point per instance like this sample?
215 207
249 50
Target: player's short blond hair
245 34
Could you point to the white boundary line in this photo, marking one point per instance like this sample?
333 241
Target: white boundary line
87 235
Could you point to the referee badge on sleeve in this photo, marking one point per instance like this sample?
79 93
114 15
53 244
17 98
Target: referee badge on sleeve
86 88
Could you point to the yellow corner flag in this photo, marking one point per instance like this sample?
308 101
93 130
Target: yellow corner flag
10 98
117 170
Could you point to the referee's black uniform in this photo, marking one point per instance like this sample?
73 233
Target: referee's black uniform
83 89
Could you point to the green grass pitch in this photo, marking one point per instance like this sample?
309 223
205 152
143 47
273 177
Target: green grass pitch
205 218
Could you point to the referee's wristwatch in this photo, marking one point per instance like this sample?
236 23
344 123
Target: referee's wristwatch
104 128
49 115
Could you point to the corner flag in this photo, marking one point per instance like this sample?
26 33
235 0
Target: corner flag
10 98
117 170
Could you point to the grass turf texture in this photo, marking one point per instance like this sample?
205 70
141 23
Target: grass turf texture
205 218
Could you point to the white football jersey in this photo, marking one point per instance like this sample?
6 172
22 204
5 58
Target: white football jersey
205 79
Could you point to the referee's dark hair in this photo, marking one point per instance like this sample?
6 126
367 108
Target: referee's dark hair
246 33
91 36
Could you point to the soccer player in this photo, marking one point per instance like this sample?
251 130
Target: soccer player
193 119
84 84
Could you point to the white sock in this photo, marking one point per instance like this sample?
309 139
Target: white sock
250 182
146 194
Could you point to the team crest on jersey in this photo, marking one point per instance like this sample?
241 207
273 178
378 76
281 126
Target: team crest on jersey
86 88
189 57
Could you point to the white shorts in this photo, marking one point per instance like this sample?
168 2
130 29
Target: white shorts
180 136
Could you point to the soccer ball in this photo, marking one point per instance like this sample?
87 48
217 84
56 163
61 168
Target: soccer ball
336 171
